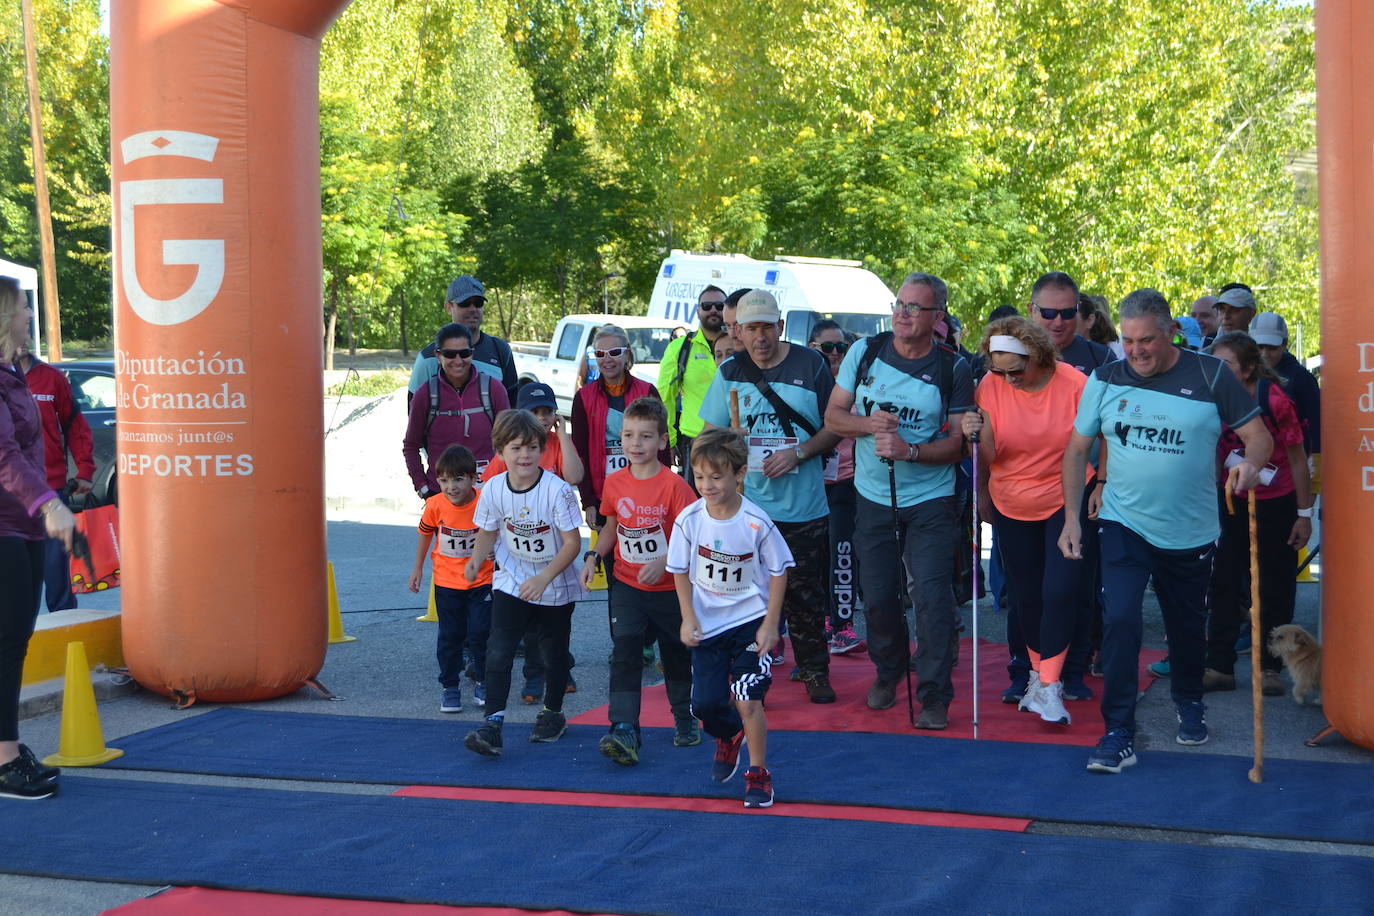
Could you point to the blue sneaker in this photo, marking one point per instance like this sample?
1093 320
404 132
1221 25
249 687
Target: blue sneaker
1114 752
1160 668
1075 689
1017 691
452 700
479 693
1192 723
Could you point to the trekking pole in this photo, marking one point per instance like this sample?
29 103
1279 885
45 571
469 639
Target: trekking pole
900 567
1256 685
977 565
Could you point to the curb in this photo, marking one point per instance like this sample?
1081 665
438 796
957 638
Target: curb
44 697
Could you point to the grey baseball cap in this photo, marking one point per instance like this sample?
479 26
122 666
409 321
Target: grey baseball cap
1237 299
466 287
1269 329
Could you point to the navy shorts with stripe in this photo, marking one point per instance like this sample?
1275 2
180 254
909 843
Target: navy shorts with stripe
725 668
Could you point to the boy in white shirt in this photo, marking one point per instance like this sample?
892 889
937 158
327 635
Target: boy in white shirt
729 563
532 519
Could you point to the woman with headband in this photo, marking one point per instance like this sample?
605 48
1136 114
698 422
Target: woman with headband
1027 403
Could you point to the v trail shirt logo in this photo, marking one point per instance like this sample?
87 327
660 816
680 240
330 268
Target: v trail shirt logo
906 416
1150 438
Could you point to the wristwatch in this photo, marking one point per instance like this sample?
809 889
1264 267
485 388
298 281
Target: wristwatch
590 554
913 451
800 456
424 492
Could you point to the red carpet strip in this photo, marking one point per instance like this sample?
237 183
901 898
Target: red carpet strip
204 901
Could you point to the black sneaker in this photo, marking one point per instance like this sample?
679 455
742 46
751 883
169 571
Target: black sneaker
882 694
486 740
1017 691
18 780
1075 689
549 726
758 788
934 716
686 732
621 744
727 757
44 772
1113 753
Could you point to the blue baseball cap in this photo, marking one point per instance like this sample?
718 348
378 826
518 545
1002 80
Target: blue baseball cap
1191 330
536 394
466 287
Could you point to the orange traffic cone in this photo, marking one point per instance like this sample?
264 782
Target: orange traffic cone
336 630
83 741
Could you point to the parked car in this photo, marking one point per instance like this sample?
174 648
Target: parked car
93 389
556 364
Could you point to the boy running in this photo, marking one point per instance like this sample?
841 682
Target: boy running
462 605
536 517
641 503
729 563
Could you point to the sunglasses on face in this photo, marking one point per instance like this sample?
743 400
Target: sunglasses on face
1067 314
462 353
711 306
612 352
832 347
1007 373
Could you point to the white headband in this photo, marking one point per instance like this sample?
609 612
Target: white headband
1003 343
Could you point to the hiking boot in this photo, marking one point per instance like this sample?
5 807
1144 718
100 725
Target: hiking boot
1212 679
1160 668
758 788
845 640
1017 690
1032 689
686 732
621 744
934 716
549 726
1049 703
46 773
19 780
882 694
1075 689
486 740
1271 683
479 693
1192 723
451 700
727 757
1114 752
818 688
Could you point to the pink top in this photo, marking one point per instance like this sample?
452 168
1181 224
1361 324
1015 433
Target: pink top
1286 430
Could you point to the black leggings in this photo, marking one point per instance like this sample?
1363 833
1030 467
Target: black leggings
21 581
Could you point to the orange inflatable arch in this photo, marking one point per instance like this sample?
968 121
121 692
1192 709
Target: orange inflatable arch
215 150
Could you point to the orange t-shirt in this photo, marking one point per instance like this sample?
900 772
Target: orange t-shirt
1030 431
455 534
644 511
551 460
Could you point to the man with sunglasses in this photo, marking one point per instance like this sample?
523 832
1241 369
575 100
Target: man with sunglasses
465 305
1055 304
685 372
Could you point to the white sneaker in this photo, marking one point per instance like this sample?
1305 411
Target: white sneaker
1049 703
1027 703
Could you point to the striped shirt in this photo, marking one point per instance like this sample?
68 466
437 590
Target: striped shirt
530 526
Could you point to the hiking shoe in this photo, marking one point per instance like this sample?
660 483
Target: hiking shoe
1075 689
758 788
818 688
1192 723
934 716
686 732
532 693
549 726
479 693
1114 752
795 674
882 694
621 744
727 757
1160 668
46 773
1028 698
845 640
1212 679
486 740
451 700
1271 683
19 780
1049 703
1019 681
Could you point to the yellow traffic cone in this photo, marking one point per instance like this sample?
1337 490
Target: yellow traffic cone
83 742
1306 574
598 580
431 615
336 631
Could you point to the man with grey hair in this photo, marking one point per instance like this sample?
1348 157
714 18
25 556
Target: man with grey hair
1160 410
1204 312
906 386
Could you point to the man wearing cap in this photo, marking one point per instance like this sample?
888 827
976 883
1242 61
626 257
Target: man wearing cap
490 355
782 391
906 393
1188 328
1236 302
685 372
1270 331
1204 312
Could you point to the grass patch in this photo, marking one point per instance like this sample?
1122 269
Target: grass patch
370 384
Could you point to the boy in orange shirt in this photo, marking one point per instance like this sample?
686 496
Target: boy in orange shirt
640 503
463 607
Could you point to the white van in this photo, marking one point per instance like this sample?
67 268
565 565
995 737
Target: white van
807 290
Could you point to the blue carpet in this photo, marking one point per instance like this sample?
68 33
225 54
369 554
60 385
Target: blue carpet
628 861
1187 791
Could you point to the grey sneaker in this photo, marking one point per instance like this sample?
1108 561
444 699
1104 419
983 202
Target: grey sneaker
549 726
882 694
934 716
1048 702
686 732
486 740
451 700
620 744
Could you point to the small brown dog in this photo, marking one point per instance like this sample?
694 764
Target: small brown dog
1302 656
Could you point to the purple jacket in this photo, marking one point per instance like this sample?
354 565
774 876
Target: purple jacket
466 424
23 482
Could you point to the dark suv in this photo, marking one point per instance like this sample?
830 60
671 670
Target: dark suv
93 389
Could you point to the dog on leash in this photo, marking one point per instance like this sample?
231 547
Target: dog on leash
1302 656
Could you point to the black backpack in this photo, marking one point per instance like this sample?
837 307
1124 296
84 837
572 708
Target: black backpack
483 392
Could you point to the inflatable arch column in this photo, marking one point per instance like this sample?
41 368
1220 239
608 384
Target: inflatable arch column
1345 147
214 132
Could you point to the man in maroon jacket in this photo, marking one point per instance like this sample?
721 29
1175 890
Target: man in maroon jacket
64 429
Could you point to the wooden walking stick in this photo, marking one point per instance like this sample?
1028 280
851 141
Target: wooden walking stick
1256 676
734 409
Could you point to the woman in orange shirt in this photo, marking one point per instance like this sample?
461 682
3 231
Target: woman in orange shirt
1027 404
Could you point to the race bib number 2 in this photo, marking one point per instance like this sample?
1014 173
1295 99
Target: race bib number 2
760 447
531 543
723 573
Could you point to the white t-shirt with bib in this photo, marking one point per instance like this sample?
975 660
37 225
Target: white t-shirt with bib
529 528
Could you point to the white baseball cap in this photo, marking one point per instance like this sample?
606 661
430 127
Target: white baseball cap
1269 330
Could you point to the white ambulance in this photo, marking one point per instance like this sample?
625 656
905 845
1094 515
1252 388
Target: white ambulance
807 290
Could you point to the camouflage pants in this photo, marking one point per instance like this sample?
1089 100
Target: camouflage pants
807 601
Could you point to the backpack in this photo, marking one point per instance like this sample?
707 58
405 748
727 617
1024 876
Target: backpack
684 353
483 392
790 419
875 345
